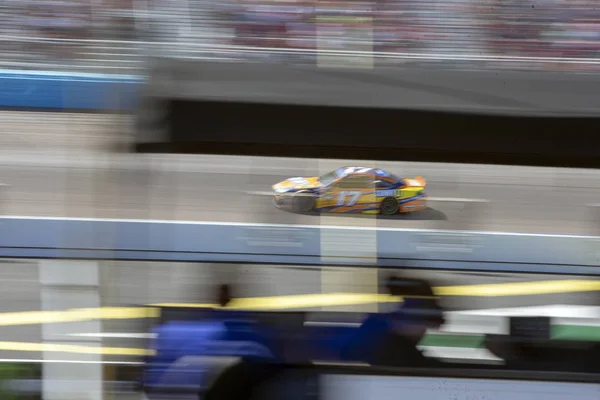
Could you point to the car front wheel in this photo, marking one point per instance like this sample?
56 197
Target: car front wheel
389 206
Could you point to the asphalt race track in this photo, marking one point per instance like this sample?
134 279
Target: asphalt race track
59 165
67 172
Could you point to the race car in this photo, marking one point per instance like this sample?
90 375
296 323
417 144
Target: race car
352 189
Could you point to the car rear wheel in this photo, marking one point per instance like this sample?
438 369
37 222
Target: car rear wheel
389 206
303 202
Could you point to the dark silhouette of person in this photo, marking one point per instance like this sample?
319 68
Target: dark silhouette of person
224 295
243 380
391 339
239 380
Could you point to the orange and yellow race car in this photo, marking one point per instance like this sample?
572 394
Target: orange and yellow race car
352 189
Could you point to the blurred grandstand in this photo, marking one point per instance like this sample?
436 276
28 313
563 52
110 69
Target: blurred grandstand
116 35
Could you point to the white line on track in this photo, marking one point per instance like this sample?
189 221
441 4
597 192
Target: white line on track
115 335
56 157
286 226
457 200
45 361
259 193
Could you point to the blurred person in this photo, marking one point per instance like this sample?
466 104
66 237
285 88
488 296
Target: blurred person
224 295
391 339
243 380
190 354
592 360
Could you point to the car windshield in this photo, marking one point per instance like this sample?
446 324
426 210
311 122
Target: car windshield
330 177
395 177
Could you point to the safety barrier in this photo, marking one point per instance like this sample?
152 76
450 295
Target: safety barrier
33 237
68 91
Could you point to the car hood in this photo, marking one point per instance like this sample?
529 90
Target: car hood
297 184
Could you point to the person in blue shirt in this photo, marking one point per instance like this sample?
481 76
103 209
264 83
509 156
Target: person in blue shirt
188 351
391 339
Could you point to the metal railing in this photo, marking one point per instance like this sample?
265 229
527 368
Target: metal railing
86 54
113 56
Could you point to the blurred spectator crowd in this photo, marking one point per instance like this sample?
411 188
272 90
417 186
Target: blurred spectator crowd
61 31
434 30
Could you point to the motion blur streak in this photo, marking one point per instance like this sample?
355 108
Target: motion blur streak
67 348
74 315
520 288
304 301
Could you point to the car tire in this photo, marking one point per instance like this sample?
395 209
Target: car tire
389 206
303 202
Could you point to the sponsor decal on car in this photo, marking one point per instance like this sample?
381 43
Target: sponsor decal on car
389 193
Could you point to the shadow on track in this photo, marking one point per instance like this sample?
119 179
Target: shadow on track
429 214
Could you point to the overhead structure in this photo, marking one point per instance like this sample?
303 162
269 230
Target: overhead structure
385 114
